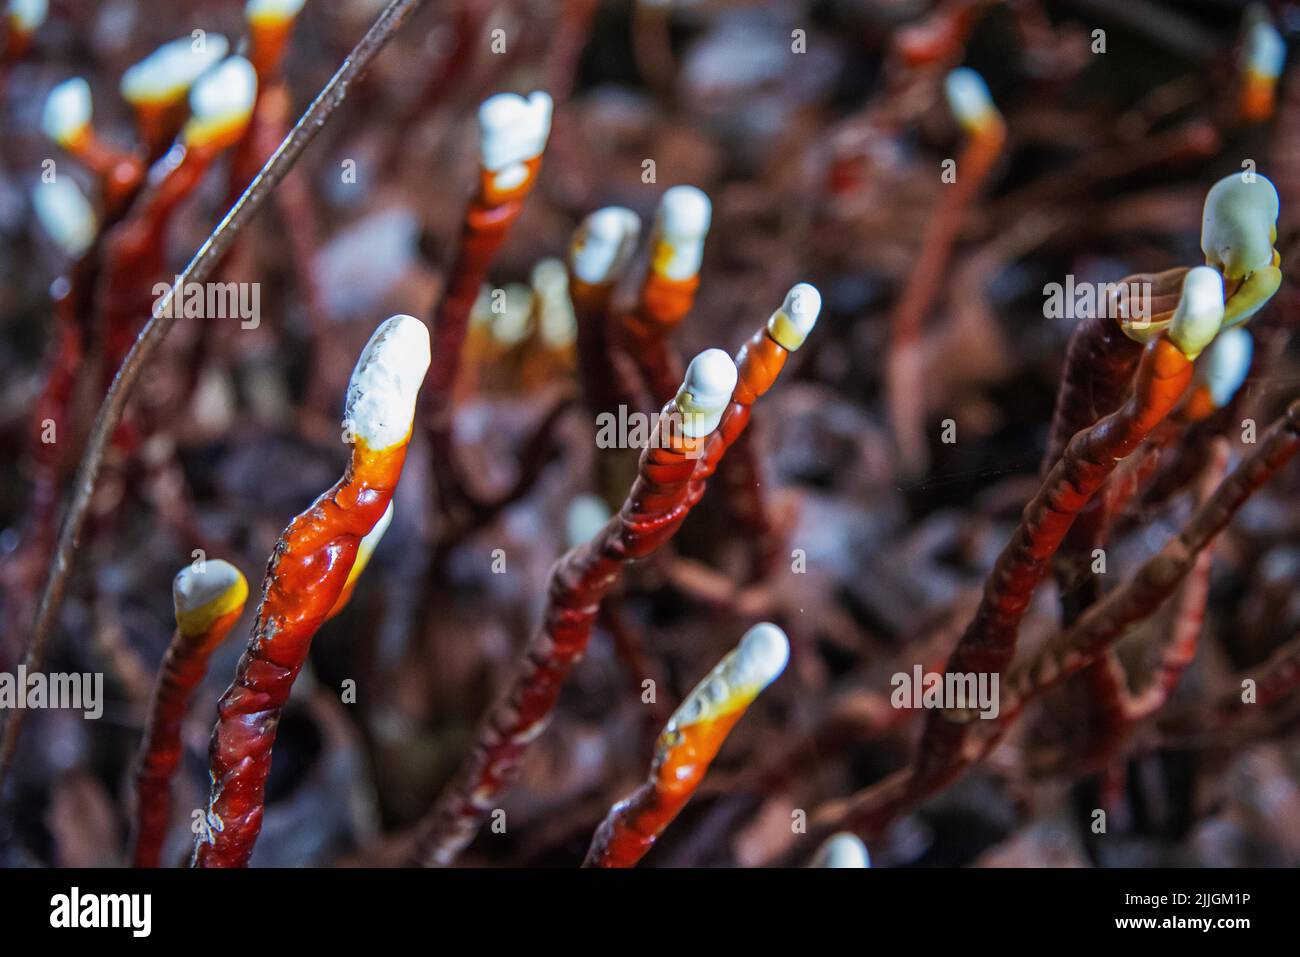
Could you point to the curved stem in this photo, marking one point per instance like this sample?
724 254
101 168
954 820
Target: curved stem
161 322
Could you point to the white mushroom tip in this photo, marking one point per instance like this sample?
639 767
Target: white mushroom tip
842 850
166 74
706 390
1224 366
684 213
67 110
791 324
681 225
761 656
228 90
513 129
386 381
1263 51
968 97
756 661
272 9
1199 315
711 376
603 244
202 583
28 15
1239 223
66 214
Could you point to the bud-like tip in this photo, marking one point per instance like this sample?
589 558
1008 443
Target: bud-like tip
681 225
221 103
603 244
512 130
760 657
204 592
791 324
67 110
705 392
27 15
272 9
386 381
1263 51
969 98
1239 224
1223 368
1199 315
167 74
737 679
66 214
842 850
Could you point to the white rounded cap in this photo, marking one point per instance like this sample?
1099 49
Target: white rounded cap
513 129
556 323
67 110
225 94
1223 368
968 97
202 594
1239 224
193 588
1199 315
791 324
760 657
681 225
603 244
66 214
386 381
272 9
168 72
1263 52
27 15
737 679
842 850
705 392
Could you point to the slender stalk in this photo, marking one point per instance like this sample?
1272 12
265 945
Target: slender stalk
672 478
989 641
307 574
513 133
602 246
1177 648
160 323
654 509
1160 575
869 811
209 599
689 743
668 292
905 389
134 250
1099 365
66 119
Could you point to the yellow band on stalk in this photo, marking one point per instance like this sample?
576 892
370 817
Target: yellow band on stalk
196 621
737 680
218 132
